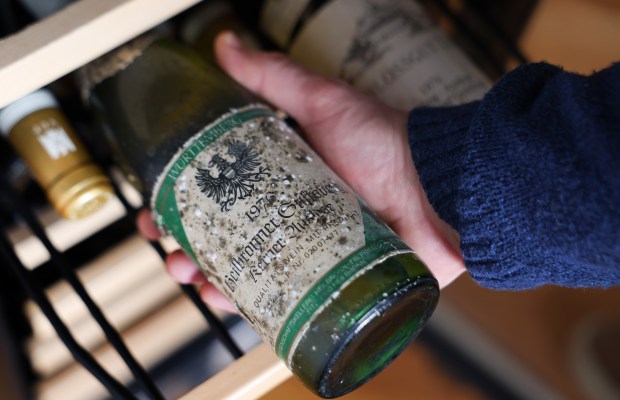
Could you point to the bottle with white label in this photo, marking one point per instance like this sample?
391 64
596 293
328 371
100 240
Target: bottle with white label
41 135
324 282
391 49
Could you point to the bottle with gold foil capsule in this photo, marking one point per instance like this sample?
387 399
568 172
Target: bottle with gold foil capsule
40 134
391 49
326 284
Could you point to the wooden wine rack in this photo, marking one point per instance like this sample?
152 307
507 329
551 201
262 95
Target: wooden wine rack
56 46
536 330
77 34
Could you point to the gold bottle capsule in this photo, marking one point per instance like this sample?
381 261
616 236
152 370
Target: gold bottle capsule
41 135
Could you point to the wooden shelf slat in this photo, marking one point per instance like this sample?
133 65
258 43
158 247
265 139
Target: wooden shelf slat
77 34
250 377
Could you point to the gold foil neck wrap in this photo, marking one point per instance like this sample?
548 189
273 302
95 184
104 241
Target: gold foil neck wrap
109 64
74 185
81 192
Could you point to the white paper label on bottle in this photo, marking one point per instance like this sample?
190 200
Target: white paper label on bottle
279 18
269 223
389 49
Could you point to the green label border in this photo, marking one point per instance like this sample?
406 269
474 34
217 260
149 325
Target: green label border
330 283
165 201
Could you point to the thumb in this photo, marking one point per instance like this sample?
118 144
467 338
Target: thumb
306 96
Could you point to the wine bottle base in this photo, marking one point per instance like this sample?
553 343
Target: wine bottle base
352 341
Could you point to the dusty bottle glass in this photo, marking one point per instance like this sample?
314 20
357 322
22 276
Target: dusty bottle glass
391 49
327 284
43 138
204 23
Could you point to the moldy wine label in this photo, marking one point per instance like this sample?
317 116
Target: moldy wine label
269 223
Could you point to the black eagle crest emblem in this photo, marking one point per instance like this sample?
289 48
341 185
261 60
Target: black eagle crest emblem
234 180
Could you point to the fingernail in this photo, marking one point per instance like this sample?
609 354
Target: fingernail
231 40
197 278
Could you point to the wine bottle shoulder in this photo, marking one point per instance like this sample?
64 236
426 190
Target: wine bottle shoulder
154 104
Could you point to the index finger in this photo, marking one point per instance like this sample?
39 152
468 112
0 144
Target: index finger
146 225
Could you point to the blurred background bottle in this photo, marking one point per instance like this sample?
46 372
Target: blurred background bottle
37 129
40 9
391 49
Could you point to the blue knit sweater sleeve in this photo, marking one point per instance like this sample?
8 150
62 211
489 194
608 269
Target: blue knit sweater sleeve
530 177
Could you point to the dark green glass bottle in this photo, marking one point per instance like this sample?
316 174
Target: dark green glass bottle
200 27
330 287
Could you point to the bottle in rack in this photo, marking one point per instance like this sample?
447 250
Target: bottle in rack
40 134
330 287
391 49
202 25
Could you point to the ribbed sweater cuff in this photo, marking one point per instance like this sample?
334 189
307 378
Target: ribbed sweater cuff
528 177
436 138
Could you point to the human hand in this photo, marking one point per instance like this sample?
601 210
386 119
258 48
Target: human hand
363 141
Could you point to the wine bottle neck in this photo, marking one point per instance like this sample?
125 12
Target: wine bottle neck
152 105
111 63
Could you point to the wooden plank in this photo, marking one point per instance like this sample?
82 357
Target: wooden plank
128 283
66 233
250 377
415 374
62 232
47 357
108 279
79 33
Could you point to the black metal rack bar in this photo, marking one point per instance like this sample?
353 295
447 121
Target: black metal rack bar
499 32
81 355
467 31
71 277
215 323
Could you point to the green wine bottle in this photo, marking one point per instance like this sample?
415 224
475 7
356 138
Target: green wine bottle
202 24
327 284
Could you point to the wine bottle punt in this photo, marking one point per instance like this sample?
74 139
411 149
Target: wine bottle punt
329 286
